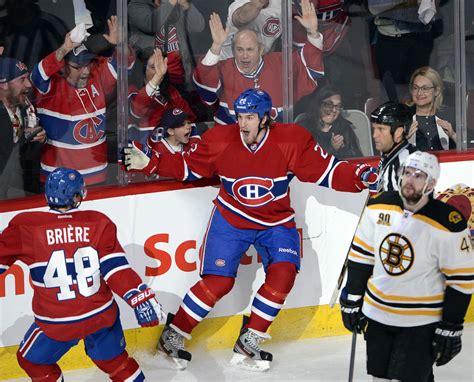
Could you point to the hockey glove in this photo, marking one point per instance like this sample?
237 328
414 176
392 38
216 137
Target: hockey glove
136 156
368 176
147 310
352 316
446 342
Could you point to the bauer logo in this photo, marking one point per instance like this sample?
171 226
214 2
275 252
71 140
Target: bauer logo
252 191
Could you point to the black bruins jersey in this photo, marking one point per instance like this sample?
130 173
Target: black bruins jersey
414 257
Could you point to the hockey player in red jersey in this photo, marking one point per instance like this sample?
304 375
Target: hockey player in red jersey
410 277
255 159
75 263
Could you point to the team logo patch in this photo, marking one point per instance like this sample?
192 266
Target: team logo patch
271 27
253 191
86 131
454 217
220 262
396 254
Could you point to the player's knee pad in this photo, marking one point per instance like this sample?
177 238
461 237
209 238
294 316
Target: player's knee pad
40 373
121 368
280 278
216 287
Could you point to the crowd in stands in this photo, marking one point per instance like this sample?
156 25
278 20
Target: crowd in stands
188 60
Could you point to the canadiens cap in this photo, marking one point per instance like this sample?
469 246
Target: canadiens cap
173 118
11 68
80 55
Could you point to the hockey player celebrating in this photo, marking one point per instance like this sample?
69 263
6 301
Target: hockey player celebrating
255 159
75 263
410 274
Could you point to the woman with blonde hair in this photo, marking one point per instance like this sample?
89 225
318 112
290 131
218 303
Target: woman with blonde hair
428 131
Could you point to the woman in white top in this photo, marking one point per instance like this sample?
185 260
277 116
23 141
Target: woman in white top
428 131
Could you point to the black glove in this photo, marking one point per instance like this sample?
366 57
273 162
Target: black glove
446 342
352 316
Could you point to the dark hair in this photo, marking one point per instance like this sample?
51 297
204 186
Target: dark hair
320 95
323 93
144 55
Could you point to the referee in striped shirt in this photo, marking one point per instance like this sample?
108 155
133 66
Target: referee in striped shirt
390 125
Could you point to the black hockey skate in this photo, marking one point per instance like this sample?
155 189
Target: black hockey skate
247 352
171 344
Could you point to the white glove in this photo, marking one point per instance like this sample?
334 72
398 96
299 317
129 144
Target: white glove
134 158
79 33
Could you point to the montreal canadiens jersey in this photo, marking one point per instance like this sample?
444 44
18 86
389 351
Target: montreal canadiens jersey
415 256
254 190
75 262
74 119
223 82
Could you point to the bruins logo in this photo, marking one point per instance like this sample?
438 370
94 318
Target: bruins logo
396 254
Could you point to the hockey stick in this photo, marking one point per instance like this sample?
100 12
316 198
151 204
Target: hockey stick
340 279
352 361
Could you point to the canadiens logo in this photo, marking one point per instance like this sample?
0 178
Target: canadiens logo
85 131
253 191
271 28
396 254
220 262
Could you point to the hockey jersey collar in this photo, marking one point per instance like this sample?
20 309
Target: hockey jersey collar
256 146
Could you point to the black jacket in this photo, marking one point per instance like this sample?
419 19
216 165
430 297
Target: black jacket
342 127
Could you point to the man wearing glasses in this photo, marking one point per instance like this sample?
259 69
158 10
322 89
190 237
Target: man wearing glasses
71 86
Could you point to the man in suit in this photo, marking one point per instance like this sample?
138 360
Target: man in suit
20 134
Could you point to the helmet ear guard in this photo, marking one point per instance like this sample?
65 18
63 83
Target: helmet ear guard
254 101
62 187
393 114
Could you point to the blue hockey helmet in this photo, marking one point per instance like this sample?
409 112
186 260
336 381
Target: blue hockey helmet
62 185
253 101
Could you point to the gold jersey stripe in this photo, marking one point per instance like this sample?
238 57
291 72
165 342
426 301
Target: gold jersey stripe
411 312
363 258
431 222
363 244
458 271
407 299
385 207
467 286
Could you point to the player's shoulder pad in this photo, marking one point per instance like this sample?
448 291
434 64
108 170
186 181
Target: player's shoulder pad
445 215
390 198
291 132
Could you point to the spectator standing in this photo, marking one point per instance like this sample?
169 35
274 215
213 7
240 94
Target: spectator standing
71 86
403 40
255 159
148 104
262 16
333 132
30 34
223 81
75 264
428 131
166 24
20 135
390 124
409 281
174 133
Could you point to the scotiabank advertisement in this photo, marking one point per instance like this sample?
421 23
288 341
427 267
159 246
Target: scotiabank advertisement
161 233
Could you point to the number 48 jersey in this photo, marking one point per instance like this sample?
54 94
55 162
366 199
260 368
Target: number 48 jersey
75 260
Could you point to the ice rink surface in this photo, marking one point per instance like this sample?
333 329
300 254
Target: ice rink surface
322 359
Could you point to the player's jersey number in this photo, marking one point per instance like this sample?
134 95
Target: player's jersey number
84 270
